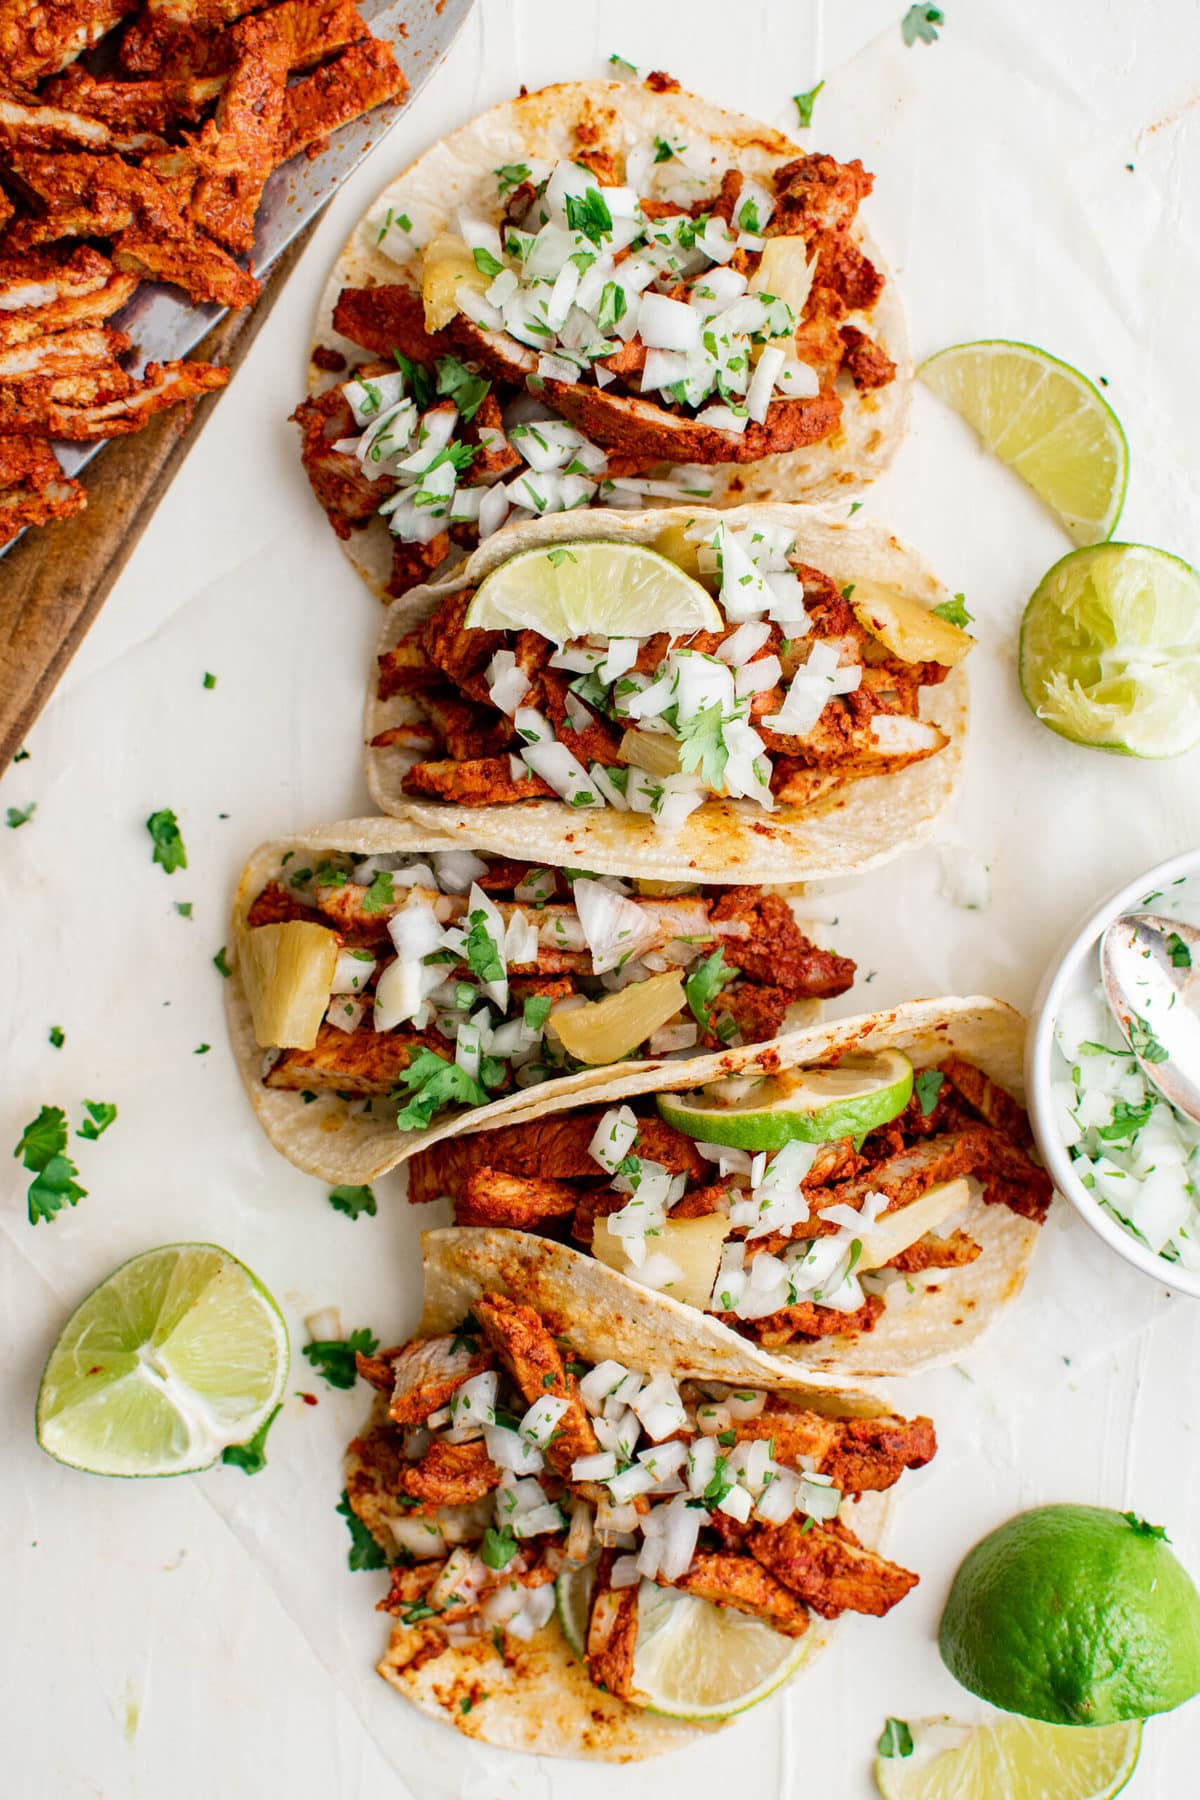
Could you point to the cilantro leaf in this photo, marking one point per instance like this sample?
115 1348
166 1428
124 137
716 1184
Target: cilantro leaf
418 379
483 956
333 1358
806 102
364 1552
955 612
556 558
184 908
169 851
498 1548
719 1485
485 262
536 1011
613 306
17 816
221 963
927 1086
433 1083
251 1457
1177 950
58 1036
702 746
41 1147
1145 1529
895 1739
352 1201
379 895
1144 1043
22 755
210 680
102 1112
588 212
664 150
43 1137
705 983
920 25
456 382
511 175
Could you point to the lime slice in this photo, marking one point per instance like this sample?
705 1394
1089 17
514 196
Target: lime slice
573 1602
764 1112
1046 421
600 589
1014 1759
177 1355
698 1661
1110 650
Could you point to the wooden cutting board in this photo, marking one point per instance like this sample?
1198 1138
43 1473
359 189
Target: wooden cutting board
55 580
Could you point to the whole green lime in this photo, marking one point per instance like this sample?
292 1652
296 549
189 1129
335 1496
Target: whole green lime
1076 1615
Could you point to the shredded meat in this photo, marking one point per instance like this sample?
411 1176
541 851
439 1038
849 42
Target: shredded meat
351 1062
553 1147
487 782
807 1321
450 1475
349 499
276 905
867 365
612 1632
519 1202
860 1454
427 1372
625 422
388 318
525 1346
363 76
237 147
777 951
828 1568
405 668
746 1585
952 1252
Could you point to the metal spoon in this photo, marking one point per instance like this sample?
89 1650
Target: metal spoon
1150 967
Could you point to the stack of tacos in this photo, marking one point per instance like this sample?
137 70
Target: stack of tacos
572 375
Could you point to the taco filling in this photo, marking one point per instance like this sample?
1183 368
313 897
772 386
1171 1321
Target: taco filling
587 344
442 980
507 1468
801 687
786 1245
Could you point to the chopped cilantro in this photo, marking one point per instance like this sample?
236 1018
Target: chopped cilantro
702 745
329 875
102 1113
184 908
483 956
806 102
895 1739
955 612
1145 1529
251 1457
1177 950
456 382
433 1083
664 150
728 1438
202 1050
19 815
556 558
1145 1044
927 1086
486 263
719 1485
1126 1120
588 212
418 378
511 175
379 895
41 1147
364 1552
221 963
58 1036
169 851
705 983
352 1201
22 755
920 25
333 1358
613 306
498 1548
855 506
210 680
537 1011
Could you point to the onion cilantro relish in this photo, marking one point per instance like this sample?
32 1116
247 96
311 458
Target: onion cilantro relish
1132 1150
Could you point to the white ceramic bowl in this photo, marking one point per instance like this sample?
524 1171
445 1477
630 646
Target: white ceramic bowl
1080 948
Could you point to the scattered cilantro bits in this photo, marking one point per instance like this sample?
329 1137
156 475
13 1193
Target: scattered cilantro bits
1144 1528
353 1201
433 1082
41 1147
334 1358
251 1457
57 1036
1177 950
927 1086
210 680
22 755
920 25
1143 1042
221 963
170 852
364 1552
955 612
202 1050
16 816
101 1114
704 984
806 102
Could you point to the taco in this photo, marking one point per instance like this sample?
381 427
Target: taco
562 1523
860 1198
599 294
763 694
389 986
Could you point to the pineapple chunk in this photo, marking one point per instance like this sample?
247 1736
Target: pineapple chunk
895 1231
605 1030
786 271
287 972
448 265
695 1244
907 629
652 751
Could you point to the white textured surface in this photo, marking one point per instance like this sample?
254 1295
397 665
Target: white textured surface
145 1649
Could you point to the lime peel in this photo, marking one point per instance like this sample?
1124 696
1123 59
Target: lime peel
1016 1759
595 587
846 1099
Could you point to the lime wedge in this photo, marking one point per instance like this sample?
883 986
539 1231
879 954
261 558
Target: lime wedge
1014 1759
698 1661
573 1602
1110 650
1046 421
566 591
765 1112
177 1355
